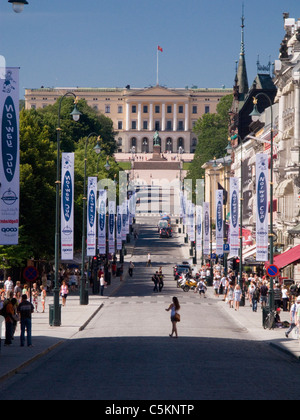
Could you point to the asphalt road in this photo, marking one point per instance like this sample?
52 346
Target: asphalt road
126 353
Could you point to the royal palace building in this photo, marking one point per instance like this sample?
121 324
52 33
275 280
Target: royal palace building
138 113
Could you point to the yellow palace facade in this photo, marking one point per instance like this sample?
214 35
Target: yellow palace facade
138 113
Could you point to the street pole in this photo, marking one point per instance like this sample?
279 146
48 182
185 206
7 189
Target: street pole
56 322
256 114
84 298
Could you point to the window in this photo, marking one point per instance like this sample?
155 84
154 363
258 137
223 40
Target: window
157 109
107 109
120 125
180 125
120 109
169 125
133 125
145 109
195 109
157 125
207 109
133 109
120 141
145 125
169 109
180 109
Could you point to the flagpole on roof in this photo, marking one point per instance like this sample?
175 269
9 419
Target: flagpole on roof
157 82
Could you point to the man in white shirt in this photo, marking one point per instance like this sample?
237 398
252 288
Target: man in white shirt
8 287
295 316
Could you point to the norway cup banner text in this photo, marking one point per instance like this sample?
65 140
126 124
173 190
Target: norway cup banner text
67 206
9 157
262 179
91 216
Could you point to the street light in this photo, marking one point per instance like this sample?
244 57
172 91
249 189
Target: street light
84 297
56 322
18 5
255 114
237 136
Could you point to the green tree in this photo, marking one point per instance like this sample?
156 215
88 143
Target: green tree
212 131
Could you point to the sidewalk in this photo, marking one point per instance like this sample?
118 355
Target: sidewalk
252 322
74 317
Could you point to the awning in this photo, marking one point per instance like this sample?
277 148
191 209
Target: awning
288 257
250 252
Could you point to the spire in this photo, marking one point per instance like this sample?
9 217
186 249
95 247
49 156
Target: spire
242 71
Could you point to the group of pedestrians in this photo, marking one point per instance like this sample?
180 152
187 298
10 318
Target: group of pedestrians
158 280
13 312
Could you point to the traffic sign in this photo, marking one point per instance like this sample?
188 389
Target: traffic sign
272 270
226 248
30 274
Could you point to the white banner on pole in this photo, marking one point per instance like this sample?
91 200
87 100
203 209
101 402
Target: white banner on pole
91 217
199 229
262 232
119 229
111 227
234 218
219 223
67 206
9 157
206 228
102 222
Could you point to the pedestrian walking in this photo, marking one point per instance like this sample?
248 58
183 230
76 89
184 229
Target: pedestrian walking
149 260
43 298
216 285
237 297
230 295
175 316
155 281
160 281
130 269
10 320
35 296
255 299
293 316
264 294
8 287
102 284
285 298
64 291
25 309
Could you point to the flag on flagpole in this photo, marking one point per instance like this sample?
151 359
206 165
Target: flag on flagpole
160 49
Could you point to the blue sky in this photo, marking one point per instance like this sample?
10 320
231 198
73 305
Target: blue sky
112 43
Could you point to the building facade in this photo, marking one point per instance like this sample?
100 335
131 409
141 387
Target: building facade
138 113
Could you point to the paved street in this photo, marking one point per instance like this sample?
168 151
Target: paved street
125 352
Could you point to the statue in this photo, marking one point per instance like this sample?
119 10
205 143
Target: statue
156 139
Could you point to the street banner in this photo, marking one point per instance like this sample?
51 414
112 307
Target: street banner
199 229
219 222
234 218
9 157
124 210
119 229
111 227
262 229
192 222
91 217
102 222
206 228
67 206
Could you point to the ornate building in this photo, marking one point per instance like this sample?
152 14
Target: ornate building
138 113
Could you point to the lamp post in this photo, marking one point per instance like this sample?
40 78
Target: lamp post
237 136
84 298
56 322
18 5
255 114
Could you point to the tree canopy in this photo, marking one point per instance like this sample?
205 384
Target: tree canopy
38 154
212 131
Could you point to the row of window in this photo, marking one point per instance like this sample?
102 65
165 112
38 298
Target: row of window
157 109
